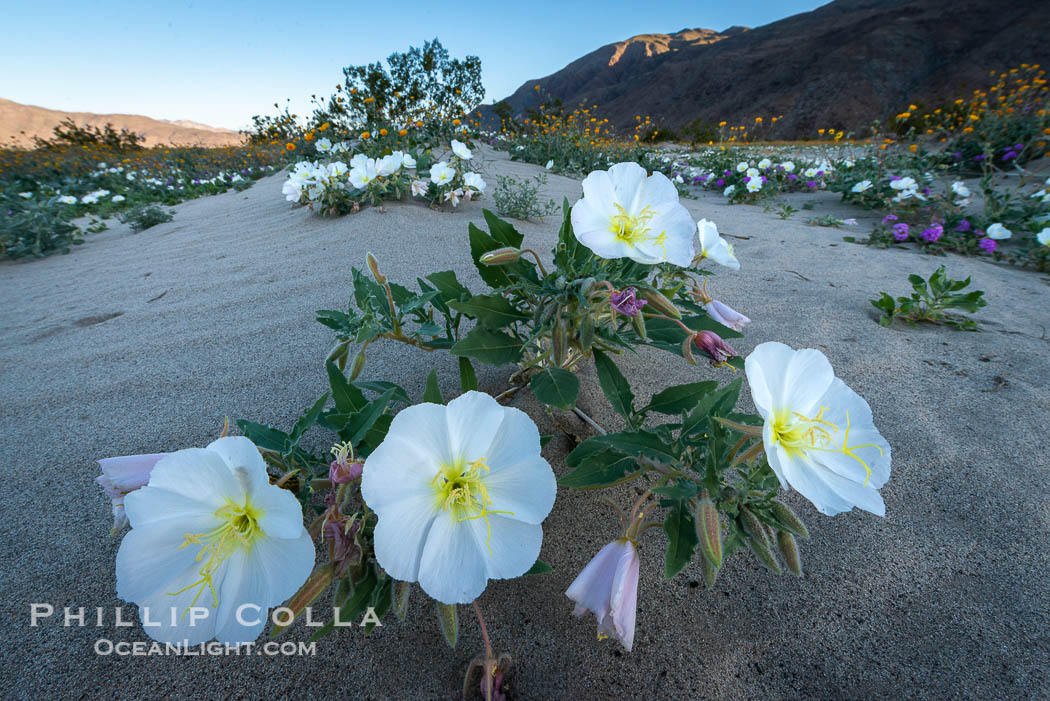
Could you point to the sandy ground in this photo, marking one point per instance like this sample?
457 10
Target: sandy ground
143 342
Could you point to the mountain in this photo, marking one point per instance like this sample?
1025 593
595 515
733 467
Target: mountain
841 65
23 122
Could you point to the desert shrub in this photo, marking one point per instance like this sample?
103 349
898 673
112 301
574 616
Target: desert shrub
69 133
520 199
145 216
38 230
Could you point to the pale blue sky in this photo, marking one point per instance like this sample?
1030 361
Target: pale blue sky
221 62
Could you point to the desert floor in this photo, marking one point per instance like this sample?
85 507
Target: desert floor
140 343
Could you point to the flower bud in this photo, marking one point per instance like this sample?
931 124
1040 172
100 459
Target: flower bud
338 353
356 366
639 327
757 539
710 573
726 315
559 342
501 256
586 331
712 344
709 530
373 265
787 519
587 285
661 304
789 549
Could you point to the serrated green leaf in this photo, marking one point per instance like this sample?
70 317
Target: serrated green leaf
502 231
305 422
360 423
347 397
555 387
381 386
601 469
615 386
448 287
493 311
632 443
488 346
679 398
680 527
263 435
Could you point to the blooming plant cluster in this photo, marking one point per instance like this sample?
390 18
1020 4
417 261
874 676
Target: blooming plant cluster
750 179
337 186
452 495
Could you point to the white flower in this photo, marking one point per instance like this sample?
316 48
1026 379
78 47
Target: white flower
714 246
453 196
726 315
788 166
213 545
117 198
905 183
460 492
365 173
754 184
407 160
810 172
1043 236
765 163
474 180
608 586
442 173
998 232
960 189
360 160
323 145
337 169
130 177
625 214
26 195
550 164
460 149
728 192
819 436
89 199
742 166
419 188
388 165
752 172
67 199
861 186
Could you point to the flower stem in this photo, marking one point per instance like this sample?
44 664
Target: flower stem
484 630
591 422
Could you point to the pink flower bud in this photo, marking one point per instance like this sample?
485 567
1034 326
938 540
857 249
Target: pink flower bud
123 475
341 472
626 302
608 587
711 343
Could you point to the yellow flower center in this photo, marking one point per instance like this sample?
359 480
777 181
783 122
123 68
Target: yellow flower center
634 229
239 528
459 488
799 434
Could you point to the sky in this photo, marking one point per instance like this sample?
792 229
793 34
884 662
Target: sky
219 63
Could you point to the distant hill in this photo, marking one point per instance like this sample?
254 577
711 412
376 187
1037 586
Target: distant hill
840 66
23 122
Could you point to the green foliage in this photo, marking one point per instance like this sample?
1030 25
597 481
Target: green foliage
519 199
930 300
37 230
145 216
68 133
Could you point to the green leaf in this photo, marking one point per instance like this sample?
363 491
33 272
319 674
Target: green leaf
468 380
305 422
488 346
347 397
448 622
353 606
432 391
680 527
493 311
481 243
675 400
718 403
502 231
539 567
555 387
381 386
681 489
263 435
448 287
360 423
615 386
601 469
632 443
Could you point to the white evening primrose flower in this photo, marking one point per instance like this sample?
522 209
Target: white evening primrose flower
337 169
862 186
419 188
407 159
788 166
728 192
819 435
359 160
754 184
960 189
810 172
460 492
340 147
360 177
905 183
765 163
25 195
89 199
323 145
67 199
998 232
388 165
212 546
626 214
460 149
474 180
1043 236
453 196
713 246
742 166
441 173
752 172
117 198
550 164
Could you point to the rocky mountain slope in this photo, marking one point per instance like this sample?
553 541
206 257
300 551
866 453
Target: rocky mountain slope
20 123
840 66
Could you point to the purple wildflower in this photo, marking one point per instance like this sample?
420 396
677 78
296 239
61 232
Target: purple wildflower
900 232
811 184
987 245
963 226
889 217
626 302
932 233
720 182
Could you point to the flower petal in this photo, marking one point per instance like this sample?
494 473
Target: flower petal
508 547
518 438
452 569
473 419
401 533
239 452
196 473
592 588
404 464
281 514
526 489
626 179
154 505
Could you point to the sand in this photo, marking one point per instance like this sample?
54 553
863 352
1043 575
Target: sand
144 342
